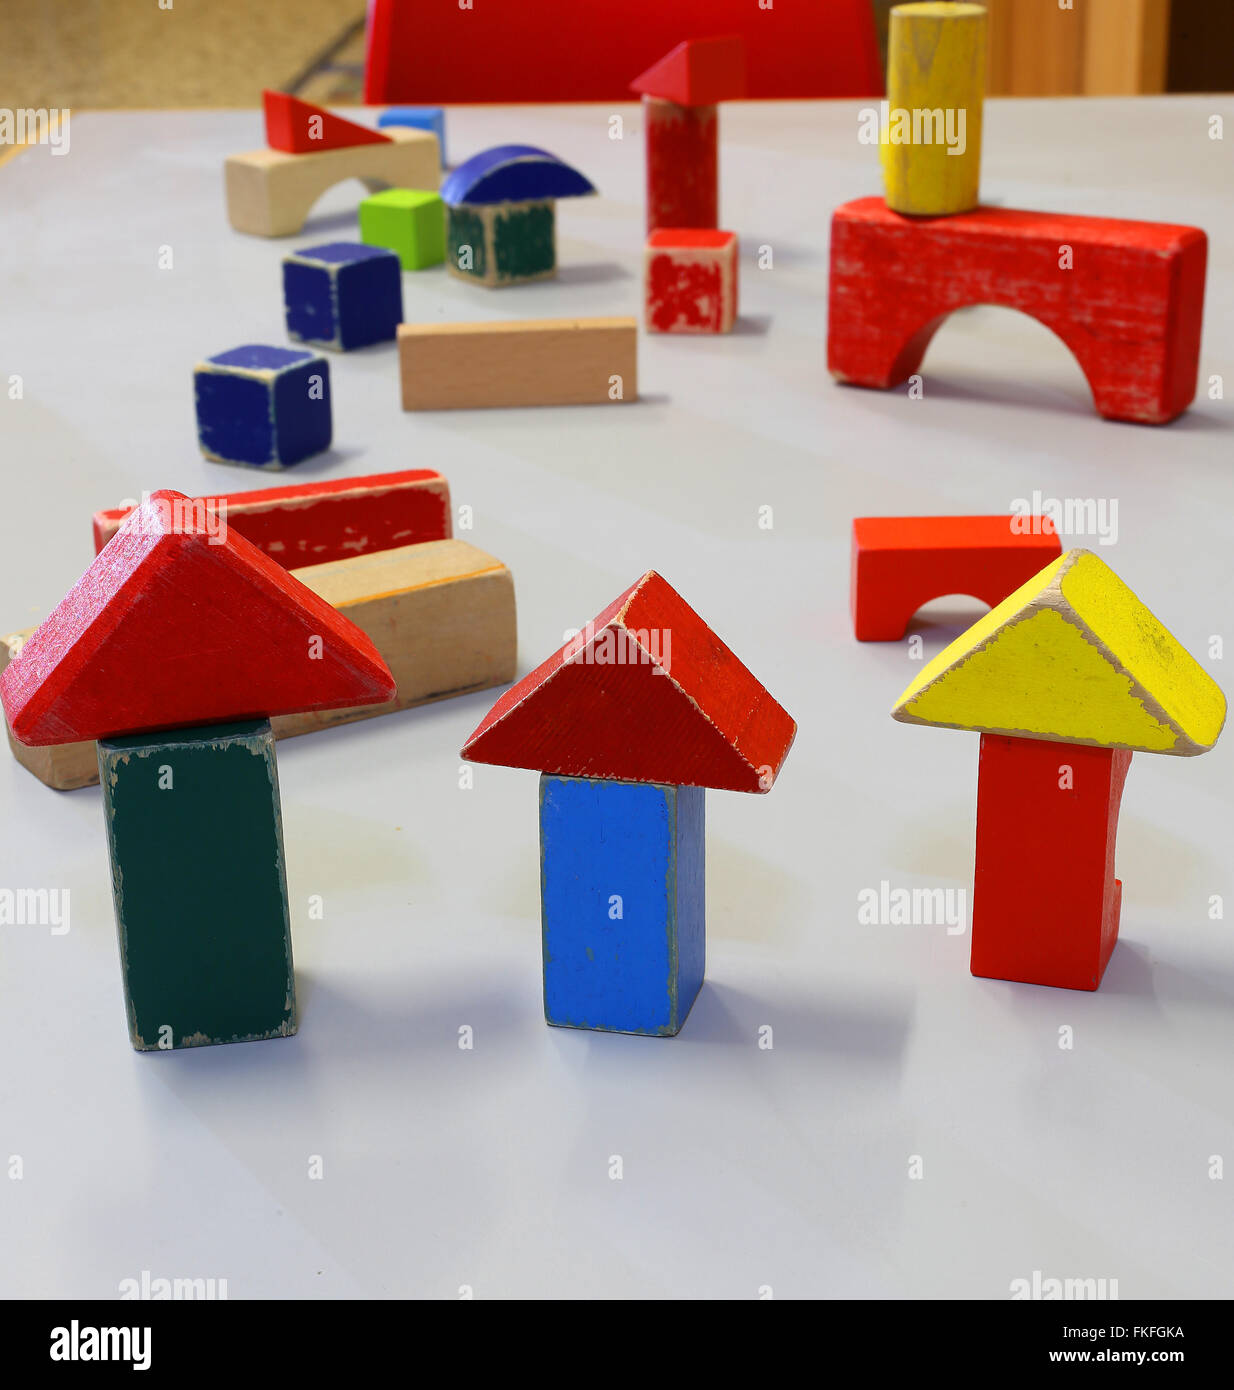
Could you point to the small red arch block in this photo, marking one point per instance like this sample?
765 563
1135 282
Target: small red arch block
1126 297
901 562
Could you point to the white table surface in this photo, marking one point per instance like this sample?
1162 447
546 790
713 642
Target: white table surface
744 1168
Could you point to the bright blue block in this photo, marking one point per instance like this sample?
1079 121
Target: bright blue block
419 118
343 295
622 894
514 174
263 407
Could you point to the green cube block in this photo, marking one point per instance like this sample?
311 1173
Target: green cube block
410 221
195 833
502 243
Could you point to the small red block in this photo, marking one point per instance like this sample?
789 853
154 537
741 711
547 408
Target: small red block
901 562
698 72
299 127
690 280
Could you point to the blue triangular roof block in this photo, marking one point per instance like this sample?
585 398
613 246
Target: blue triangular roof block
514 174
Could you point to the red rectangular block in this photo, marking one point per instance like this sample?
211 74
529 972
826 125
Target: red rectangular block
901 562
1126 297
683 185
312 523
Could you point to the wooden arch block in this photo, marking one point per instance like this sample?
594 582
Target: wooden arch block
902 562
1126 297
271 192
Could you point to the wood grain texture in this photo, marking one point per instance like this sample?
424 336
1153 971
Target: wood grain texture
270 193
168 629
902 562
1128 299
1073 656
645 693
1046 901
698 72
442 615
683 170
448 366
328 518
195 835
690 281
936 63
1126 46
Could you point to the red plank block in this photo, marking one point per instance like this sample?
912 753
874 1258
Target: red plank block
698 72
683 185
313 523
901 562
690 280
1045 901
645 693
168 629
299 127
1129 307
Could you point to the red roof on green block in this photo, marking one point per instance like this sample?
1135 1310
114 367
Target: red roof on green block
167 629
698 72
645 693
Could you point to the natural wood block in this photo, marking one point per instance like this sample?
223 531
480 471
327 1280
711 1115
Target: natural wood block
447 366
195 836
441 613
931 149
270 193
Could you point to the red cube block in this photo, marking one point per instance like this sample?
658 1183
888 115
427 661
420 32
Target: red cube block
690 280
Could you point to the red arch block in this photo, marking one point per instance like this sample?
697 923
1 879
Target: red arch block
1129 308
901 562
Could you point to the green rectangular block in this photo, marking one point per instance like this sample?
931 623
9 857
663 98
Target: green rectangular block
195 833
411 221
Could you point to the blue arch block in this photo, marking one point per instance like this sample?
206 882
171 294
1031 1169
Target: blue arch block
623 903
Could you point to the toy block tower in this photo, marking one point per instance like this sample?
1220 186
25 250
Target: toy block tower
173 650
627 724
1064 680
1126 297
680 95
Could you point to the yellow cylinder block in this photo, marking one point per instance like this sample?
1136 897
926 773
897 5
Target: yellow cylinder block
931 127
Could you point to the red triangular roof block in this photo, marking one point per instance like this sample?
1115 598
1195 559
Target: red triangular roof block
288 129
166 630
645 693
698 72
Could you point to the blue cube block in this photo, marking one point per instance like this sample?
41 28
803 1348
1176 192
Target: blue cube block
419 118
623 912
343 295
263 407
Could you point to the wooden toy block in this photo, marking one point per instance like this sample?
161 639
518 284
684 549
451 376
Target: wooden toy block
902 562
446 366
628 723
172 627
343 295
683 181
299 127
263 407
501 218
645 693
270 192
623 903
931 147
1064 680
698 72
1045 900
430 118
1072 655
690 280
195 837
328 518
410 221
441 615
1129 304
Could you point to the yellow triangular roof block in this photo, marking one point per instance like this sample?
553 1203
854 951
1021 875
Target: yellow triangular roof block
1072 656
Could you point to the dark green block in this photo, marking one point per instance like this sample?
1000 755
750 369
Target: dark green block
466 227
199 884
525 241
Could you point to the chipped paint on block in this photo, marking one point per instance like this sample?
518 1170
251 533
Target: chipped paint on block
194 830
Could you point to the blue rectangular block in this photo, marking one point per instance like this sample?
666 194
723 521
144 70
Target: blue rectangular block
263 407
343 295
419 118
623 903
